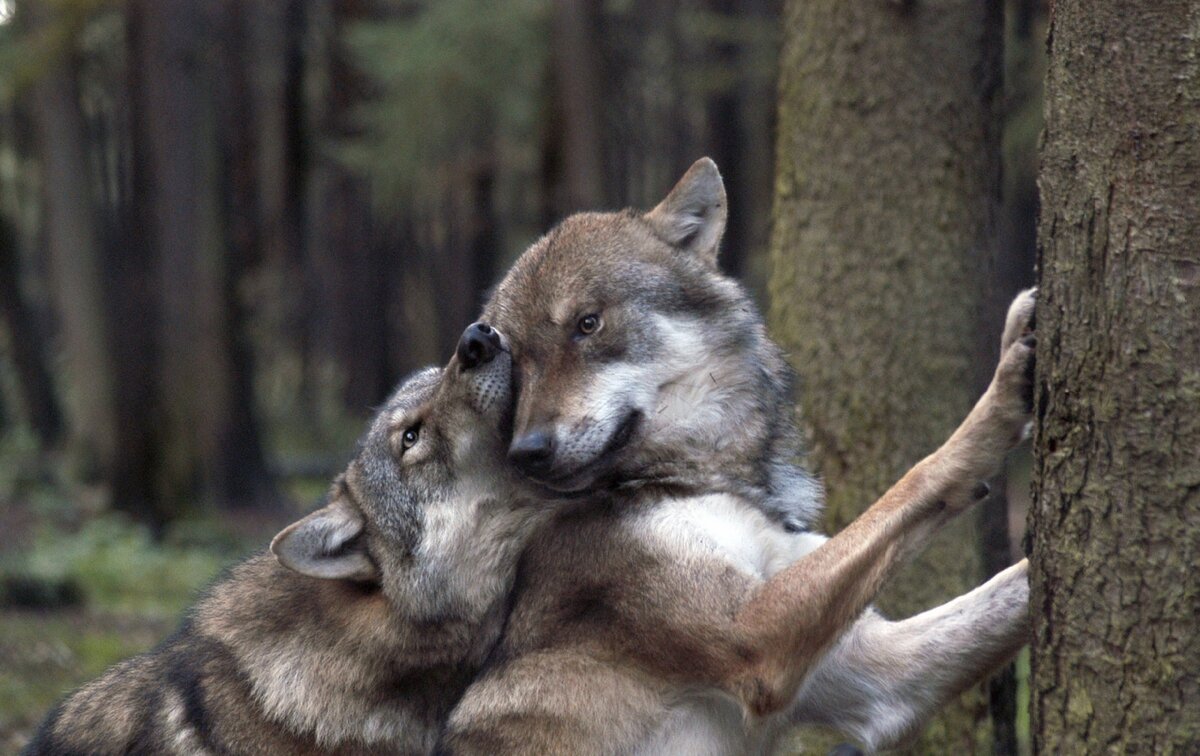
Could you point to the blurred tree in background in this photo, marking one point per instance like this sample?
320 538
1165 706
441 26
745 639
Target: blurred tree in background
228 227
897 246
234 224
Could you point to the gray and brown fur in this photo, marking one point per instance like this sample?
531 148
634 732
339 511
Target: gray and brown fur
688 609
361 630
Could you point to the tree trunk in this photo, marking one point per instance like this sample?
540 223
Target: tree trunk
73 241
136 484
1116 660
576 68
200 443
349 263
887 197
240 476
26 342
728 142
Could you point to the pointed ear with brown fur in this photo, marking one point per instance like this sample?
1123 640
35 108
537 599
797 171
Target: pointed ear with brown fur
326 544
692 216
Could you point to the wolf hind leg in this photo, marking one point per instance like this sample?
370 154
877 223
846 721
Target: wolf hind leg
883 680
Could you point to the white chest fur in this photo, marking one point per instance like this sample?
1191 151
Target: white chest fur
725 528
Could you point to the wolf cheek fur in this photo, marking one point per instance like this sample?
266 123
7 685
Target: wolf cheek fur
377 612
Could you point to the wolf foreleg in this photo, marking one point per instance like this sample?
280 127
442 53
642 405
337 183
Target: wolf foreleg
788 624
883 680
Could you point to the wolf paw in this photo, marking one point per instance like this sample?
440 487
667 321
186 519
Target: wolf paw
1020 320
1013 381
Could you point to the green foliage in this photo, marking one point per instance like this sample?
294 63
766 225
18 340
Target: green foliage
455 79
79 590
63 27
61 545
118 566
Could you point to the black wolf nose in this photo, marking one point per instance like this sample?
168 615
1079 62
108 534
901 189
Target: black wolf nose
533 452
478 345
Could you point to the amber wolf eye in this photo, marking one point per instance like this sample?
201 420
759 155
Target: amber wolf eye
589 324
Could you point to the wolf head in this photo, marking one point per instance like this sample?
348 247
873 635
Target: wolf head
639 361
428 499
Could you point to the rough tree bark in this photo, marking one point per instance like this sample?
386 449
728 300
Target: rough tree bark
887 197
1116 661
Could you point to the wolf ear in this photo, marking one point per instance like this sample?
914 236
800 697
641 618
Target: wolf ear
693 214
326 545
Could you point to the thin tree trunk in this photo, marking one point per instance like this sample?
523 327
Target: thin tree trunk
576 70
27 346
296 286
136 474
1116 658
485 232
72 229
728 140
577 89
349 262
240 478
887 200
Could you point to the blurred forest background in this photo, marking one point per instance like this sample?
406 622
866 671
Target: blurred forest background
228 227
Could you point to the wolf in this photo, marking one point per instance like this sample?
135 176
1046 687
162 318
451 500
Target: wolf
369 617
691 607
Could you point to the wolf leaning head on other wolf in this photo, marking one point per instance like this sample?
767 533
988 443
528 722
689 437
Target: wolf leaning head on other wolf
652 401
